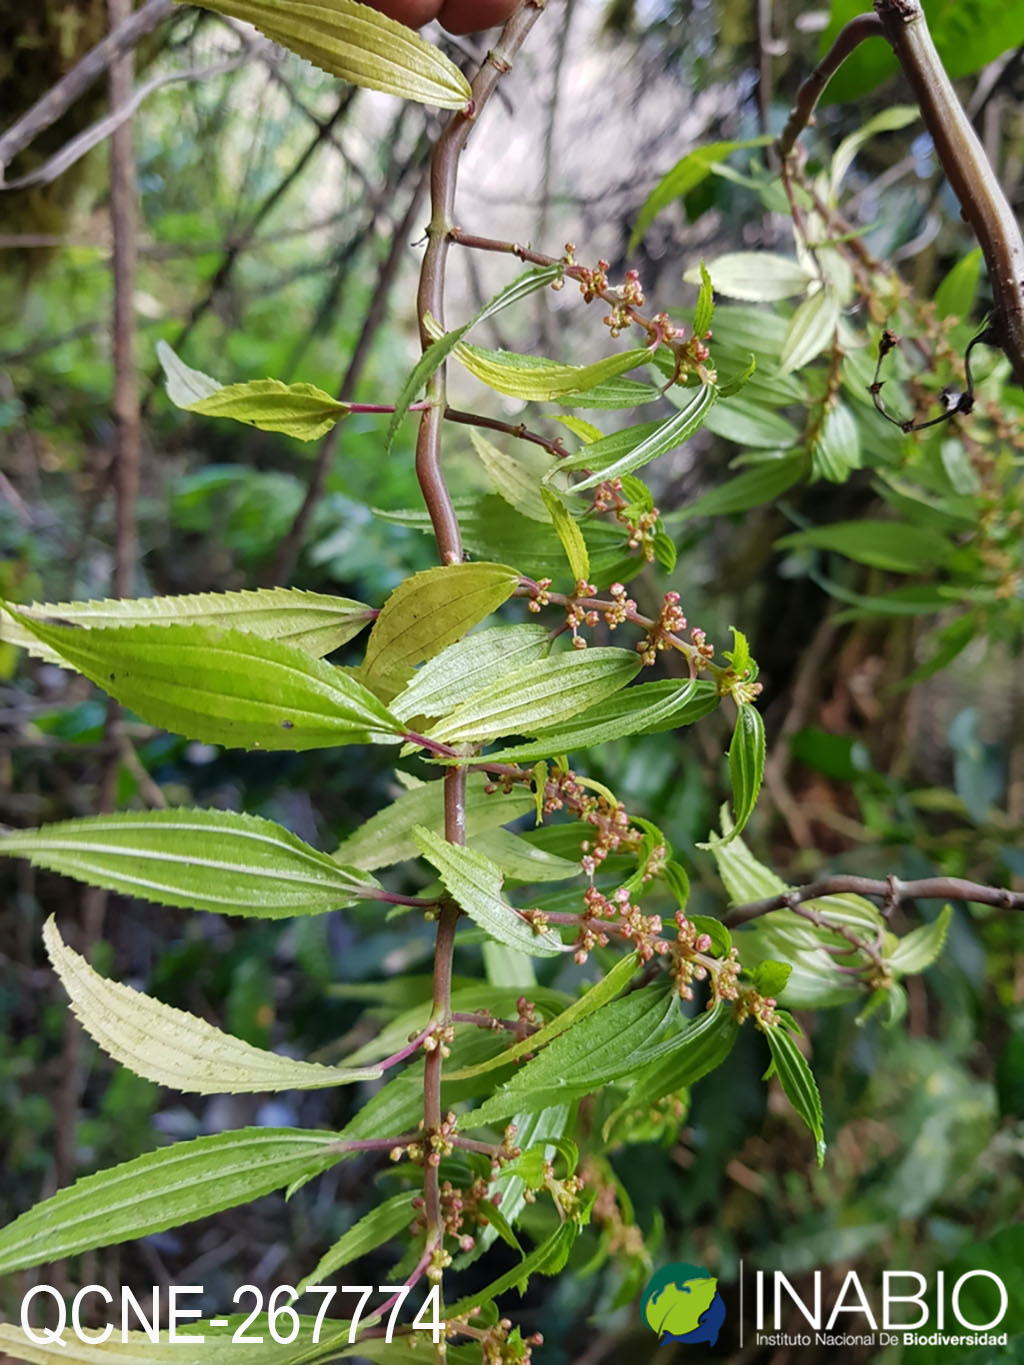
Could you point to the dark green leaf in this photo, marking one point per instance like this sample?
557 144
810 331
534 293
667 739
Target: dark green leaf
746 763
221 861
164 1189
798 1083
893 545
223 686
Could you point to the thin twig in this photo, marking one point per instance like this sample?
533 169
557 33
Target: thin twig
62 96
847 40
891 892
73 151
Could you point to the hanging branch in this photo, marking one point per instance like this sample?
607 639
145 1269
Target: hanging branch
891 892
967 168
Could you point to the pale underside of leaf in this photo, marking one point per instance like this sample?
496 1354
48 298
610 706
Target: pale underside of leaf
468 665
175 1048
310 621
352 41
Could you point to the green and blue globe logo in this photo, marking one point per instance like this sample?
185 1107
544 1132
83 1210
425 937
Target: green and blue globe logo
682 1303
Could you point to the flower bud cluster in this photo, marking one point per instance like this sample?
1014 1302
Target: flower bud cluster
760 1008
577 614
671 621
642 531
538 602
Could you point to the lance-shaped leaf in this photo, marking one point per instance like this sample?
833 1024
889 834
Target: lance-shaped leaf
354 42
431 610
164 1189
920 948
299 410
443 343
219 1342
475 883
614 1042
592 1000
569 533
468 665
746 764
685 176
611 394
175 1048
644 709
669 434
759 484
222 861
387 1220
386 838
896 546
516 480
810 330
541 695
538 380
223 686
798 1083
310 621
755 276
700 1048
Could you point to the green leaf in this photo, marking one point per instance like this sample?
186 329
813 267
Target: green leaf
516 480
888 121
569 534
837 450
759 484
699 1049
921 947
810 330
438 351
705 309
646 708
223 686
468 665
798 1083
893 545
386 838
957 292
522 861
380 1225
164 1189
354 42
968 34
755 277
669 434
299 410
539 695
746 763
547 1259
310 621
610 394
429 611
474 882
219 1346
749 423
592 1000
175 1048
685 176
769 978
539 380
614 1042
221 861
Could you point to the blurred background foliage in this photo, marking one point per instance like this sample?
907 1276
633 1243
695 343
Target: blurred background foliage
270 205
